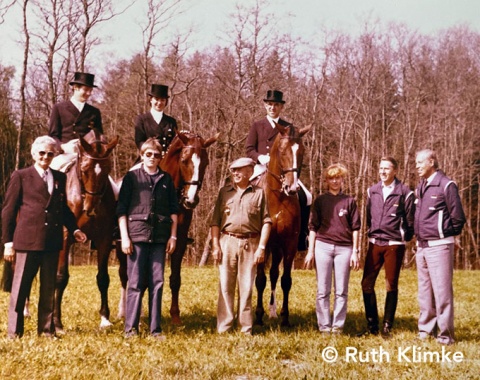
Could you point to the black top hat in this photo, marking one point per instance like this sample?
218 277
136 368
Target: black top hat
84 79
159 91
274 96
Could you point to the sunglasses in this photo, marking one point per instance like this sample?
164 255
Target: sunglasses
49 154
150 154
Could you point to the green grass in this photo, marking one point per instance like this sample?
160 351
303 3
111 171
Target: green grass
196 351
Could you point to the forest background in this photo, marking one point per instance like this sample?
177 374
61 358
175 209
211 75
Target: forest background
388 90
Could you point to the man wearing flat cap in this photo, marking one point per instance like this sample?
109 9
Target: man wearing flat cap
260 140
240 227
155 123
73 118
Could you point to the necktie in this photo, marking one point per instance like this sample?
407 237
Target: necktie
45 178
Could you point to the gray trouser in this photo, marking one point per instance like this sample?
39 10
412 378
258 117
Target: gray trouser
435 292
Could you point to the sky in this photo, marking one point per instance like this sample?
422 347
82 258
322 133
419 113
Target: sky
209 18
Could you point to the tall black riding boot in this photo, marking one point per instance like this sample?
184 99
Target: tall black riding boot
389 315
371 312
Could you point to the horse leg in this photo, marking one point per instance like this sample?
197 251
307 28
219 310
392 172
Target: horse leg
175 284
60 284
286 283
274 274
122 272
103 280
260 284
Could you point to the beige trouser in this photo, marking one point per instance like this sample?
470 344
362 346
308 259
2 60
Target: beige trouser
237 266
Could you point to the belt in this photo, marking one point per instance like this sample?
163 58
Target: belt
422 243
247 235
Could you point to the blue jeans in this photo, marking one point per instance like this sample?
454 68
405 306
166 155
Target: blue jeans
332 260
145 269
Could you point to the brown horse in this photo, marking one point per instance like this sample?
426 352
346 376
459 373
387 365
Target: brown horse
92 200
280 184
186 161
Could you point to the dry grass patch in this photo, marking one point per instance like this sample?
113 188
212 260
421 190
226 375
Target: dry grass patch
196 351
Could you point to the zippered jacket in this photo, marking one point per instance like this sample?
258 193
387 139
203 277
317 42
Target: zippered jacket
439 212
392 219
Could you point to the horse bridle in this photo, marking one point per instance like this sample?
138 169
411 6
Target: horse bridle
181 189
79 175
281 178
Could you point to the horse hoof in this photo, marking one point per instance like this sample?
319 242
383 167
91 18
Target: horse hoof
105 323
285 323
59 331
176 320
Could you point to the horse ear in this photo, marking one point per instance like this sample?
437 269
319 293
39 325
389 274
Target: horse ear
305 129
282 129
83 144
112 144
211 140
183 137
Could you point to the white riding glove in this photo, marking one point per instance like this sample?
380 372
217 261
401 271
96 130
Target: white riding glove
264 159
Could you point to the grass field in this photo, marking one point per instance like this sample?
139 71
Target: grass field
196 351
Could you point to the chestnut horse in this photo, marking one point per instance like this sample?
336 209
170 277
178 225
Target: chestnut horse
280 184
92 200
186 161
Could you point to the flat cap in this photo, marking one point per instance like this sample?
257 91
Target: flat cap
242 162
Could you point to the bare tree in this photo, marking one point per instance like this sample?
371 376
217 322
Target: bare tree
159 15
4 8
23 98
87 14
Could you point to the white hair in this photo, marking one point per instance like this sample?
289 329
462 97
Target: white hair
41 141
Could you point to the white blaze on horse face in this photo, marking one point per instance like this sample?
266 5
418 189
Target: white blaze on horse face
98 169
295 148
192 190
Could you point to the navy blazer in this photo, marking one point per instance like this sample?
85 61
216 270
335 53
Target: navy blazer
32 218
146 127
261 137
68 123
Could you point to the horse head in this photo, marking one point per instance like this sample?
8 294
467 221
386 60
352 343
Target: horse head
93 168
186 161
286 157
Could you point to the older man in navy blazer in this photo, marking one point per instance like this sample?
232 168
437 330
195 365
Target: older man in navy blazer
34 212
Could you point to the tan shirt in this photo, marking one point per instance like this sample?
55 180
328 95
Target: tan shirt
240 212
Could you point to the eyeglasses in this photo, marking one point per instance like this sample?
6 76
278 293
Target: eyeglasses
150 154
49 154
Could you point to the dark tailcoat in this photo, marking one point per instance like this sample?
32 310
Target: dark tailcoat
261 137
68 123
146 127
